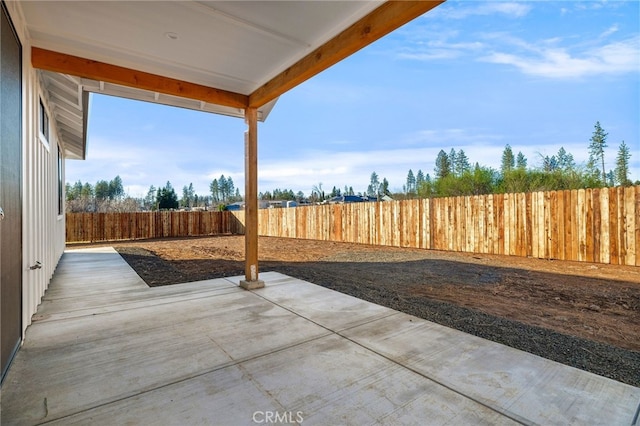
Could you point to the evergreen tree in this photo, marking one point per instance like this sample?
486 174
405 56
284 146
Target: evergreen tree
265 195
68 192
188 194
611 178
77 190
384 187
102 190
410 188
521 161
419 179
443 165
452 160
184 201
167 197
231 190
73 192
596 149
224 189
150 199
565 160
116 191
214 187
622 165
87 191
508 160
549 164
373 190
191 193
461 164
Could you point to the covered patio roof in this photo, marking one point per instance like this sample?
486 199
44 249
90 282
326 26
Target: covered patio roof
215 56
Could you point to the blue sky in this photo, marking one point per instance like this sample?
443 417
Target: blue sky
469 75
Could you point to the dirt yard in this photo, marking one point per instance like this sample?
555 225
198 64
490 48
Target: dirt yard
581 314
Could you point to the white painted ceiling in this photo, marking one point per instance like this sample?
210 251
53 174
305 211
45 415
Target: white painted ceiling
232 45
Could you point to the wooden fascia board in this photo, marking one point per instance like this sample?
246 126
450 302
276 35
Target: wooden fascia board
380 22
86 68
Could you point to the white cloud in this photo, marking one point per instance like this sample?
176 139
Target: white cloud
589 5
554 56
430 55
506 8
612 30
462 10
439 49
415 151
141 165
559 62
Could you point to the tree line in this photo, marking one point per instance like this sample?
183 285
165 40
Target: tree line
110 196
453 175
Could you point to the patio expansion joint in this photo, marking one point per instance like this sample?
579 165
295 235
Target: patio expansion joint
236 362
487 404
636 419
161 300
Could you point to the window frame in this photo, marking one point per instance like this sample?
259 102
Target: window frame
60 182
43 124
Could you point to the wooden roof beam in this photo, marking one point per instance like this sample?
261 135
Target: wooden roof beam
86 68
381 21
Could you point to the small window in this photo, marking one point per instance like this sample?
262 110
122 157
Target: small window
60 184
44 122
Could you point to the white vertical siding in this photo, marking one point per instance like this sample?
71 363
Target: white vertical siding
43 233
43 228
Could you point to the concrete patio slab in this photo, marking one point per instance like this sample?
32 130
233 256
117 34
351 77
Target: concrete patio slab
525 387
113 351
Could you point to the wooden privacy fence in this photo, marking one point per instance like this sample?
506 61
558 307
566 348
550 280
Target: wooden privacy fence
92 227
592 225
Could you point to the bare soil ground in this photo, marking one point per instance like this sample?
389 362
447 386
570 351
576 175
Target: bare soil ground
581 314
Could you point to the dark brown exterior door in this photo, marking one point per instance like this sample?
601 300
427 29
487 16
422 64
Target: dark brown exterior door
10 191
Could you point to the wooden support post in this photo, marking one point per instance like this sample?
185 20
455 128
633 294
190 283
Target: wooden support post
251 280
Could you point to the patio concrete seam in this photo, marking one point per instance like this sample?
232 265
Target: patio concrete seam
636 418
160 301
232 363
195 297
159 296
502 411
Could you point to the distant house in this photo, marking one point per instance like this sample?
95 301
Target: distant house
235 206
276 204
344 199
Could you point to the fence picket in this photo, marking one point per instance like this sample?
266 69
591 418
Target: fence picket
631 218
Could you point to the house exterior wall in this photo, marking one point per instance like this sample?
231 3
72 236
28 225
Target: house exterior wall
43 232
